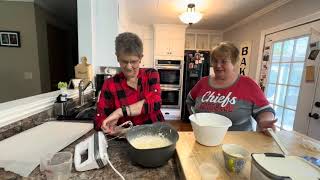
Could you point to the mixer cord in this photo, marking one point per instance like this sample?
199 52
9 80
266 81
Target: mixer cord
115 170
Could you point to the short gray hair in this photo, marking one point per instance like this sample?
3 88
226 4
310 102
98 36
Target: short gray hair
128 43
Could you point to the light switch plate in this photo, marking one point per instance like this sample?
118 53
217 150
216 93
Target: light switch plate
27 75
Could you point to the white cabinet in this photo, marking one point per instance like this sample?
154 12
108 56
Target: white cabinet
146 35
190 41
214 40
147 60
169 40
202 40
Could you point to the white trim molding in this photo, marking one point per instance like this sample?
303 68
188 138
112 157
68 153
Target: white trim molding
284 26
258 14
19 109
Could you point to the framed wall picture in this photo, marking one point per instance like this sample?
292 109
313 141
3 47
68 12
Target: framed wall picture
10 38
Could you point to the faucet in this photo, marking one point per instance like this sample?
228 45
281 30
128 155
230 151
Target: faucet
82 88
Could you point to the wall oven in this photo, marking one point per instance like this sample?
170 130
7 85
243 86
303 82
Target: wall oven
170 72
171 97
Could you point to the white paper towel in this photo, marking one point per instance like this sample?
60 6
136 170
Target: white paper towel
21 153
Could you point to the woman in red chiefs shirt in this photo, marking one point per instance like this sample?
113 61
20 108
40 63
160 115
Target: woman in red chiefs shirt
131 95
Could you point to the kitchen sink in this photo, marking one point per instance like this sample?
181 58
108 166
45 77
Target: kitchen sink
85 112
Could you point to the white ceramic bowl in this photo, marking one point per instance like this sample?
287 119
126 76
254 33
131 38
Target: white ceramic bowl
209 128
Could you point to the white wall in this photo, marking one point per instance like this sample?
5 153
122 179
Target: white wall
97 29
252 31
85 29
15 62
105 31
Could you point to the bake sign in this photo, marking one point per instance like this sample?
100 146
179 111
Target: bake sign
245 51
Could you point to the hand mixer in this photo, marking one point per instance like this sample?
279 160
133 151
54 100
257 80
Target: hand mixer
95 147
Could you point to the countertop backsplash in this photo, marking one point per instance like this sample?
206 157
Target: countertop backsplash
31 121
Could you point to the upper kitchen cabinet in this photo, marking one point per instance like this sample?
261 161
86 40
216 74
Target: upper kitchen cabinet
169 40
202 39
214 40
146 34
147 60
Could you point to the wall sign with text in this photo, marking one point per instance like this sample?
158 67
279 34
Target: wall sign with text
245 52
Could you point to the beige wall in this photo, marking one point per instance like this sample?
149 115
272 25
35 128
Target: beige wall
31 21
252 31
19 16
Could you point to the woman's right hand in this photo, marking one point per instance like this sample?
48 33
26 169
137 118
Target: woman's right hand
110 123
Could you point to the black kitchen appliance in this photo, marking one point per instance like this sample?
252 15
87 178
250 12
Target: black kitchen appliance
196 66
100 80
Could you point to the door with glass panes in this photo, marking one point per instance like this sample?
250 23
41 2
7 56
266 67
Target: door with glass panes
287 90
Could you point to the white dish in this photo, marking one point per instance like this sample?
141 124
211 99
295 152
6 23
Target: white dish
209 128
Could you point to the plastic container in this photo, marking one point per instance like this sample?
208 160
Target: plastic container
57 166
269 166
208 171
235 157
209 128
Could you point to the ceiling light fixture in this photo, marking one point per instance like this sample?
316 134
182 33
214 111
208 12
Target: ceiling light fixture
190 16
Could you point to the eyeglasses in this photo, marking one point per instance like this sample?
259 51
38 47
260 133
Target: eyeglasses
134 63
222 62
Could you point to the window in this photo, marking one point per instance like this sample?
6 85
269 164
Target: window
284 79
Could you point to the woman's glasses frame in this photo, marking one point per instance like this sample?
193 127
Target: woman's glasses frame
134 62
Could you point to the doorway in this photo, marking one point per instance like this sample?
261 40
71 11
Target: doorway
283 74
61 51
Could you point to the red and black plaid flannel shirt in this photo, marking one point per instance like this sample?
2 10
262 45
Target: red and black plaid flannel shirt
116 93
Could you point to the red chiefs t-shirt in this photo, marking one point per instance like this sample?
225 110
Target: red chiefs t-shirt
239 102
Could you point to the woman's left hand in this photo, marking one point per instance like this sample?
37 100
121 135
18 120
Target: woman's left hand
263 125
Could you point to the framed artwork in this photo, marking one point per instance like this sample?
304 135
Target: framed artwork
10 38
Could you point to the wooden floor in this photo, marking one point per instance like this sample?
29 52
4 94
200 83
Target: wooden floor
180 125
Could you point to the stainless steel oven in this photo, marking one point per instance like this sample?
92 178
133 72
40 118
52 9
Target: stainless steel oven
170 72
171 97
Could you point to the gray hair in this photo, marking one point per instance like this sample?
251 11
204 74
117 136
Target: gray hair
129 44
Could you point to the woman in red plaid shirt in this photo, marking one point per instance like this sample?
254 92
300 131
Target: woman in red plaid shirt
131 95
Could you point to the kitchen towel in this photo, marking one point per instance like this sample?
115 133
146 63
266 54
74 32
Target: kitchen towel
21 153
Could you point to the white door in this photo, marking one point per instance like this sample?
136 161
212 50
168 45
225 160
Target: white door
286 88
314 115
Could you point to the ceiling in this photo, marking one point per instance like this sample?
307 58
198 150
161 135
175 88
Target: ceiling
217 14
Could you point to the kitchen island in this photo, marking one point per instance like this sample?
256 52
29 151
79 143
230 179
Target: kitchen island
192 155
186 163
117 151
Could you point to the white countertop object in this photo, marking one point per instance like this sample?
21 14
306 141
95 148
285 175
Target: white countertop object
21 153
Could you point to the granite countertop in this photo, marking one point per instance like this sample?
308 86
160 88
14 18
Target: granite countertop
119 158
